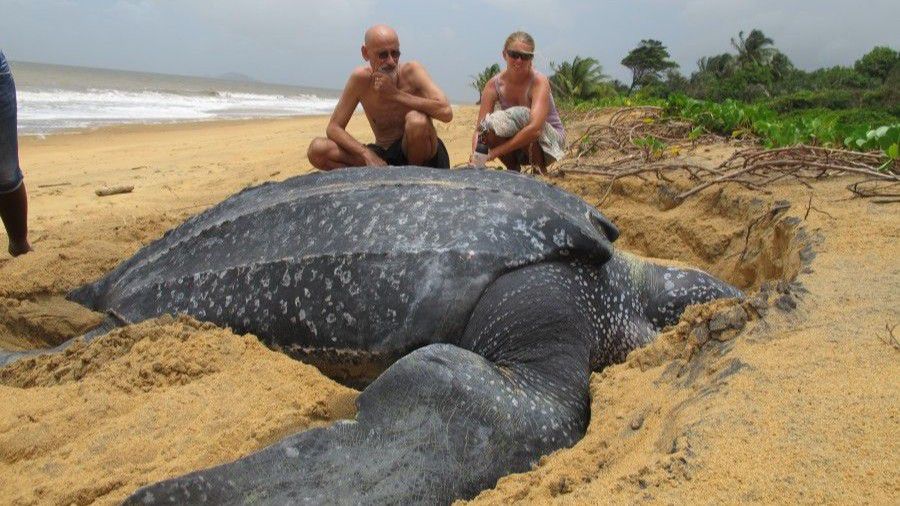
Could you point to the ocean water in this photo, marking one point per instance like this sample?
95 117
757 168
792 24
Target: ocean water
56 98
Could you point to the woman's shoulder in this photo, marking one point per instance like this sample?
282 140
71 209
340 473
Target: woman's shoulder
540 77
494 83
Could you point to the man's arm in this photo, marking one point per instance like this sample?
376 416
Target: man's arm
337 125
432 101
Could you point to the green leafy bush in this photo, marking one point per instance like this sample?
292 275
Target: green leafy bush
885 138
651 147
827 99
878 62
853 129
847 119
835 78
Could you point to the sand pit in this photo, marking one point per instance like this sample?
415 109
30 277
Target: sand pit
790 396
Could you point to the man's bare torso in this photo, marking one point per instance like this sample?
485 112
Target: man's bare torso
387 118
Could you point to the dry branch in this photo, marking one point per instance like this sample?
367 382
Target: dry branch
607 148
113 190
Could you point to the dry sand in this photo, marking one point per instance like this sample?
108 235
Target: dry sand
791 396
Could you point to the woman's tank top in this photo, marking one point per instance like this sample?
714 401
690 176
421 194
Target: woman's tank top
552 117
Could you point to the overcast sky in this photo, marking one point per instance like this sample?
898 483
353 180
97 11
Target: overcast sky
317 43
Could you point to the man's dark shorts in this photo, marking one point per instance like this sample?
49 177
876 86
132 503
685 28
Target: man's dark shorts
394 155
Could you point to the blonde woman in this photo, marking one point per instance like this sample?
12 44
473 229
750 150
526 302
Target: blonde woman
518 117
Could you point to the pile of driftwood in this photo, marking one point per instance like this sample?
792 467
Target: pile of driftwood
636 142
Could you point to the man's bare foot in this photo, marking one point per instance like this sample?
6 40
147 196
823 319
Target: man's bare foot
19 249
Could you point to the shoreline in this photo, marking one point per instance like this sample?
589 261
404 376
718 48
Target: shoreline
163 125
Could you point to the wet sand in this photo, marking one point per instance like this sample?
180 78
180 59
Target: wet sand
795 399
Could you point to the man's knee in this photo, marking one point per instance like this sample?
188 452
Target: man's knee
318 152
418 124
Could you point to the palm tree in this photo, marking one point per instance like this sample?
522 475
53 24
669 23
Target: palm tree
482 79
720 65
781 65
582 78
756 48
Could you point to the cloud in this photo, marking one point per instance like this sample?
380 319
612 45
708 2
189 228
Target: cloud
318 43
279 18
558 14
812 34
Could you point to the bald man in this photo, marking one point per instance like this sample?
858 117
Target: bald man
400 101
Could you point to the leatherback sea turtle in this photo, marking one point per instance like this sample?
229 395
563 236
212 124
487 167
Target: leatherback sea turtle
481 300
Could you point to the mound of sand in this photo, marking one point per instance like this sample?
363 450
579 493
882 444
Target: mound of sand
147 402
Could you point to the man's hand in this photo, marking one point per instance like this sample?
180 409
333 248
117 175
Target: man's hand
385 84
372 159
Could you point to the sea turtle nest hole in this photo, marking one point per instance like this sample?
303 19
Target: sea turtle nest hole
741 238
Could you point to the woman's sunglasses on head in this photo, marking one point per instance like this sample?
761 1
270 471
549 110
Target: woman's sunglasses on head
516 55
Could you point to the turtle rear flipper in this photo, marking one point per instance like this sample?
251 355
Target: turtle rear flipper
111 321
442 423
429 430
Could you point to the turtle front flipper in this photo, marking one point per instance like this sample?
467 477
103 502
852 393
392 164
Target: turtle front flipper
443 422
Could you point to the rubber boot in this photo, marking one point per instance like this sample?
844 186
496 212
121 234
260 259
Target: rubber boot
14 212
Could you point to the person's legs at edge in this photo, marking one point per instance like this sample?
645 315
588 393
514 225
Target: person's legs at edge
419 138
14 211
13 196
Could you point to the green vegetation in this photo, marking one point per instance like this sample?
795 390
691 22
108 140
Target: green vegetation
851 129
754 91
580 79
646 62
877 63
479 81
651 147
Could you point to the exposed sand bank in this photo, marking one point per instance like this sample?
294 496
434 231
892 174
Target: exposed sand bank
793 397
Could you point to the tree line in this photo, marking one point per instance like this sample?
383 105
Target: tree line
756 71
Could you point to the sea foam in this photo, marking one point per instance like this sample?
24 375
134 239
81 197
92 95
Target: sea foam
47 110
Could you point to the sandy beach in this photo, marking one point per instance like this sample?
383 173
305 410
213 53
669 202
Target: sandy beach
790 396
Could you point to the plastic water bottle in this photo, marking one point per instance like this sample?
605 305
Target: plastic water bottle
480 156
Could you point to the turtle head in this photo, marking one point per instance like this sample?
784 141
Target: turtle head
668 290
